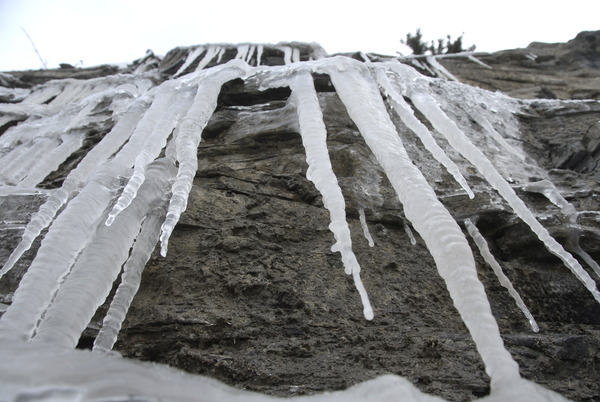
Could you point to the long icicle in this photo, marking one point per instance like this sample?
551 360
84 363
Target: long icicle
95 270
130 283
108 146
502 278
458 140
189 137
408 117
452 255
320 172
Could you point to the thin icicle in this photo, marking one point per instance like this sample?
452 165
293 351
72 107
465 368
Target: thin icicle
75 179
250 54
320 172
130 283
549 190
458 140
439 69
192 56
476 60
487 126
259 53
211 52
174 104
188 139
408 117
92 276
365 227
502 278
51 161
410 234
430 218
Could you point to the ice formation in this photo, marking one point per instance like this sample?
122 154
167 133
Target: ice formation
131 188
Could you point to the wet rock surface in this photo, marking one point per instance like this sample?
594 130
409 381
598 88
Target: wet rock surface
251 294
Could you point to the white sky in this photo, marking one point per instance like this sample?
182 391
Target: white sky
91 32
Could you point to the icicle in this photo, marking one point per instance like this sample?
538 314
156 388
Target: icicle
242 52
287 54
130 283
52 160
439 69
410 235
92 275
365 227
211 52
192 56
549 190
365 57
250 54
487 126
107 147
259 55
476 60
188 139
504 281
408 117
320 172
220 54
174 104
457 139
453 255
17 170
295 55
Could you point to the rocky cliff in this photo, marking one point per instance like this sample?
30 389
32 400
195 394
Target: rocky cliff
250 292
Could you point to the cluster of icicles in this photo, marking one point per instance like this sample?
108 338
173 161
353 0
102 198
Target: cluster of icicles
130 189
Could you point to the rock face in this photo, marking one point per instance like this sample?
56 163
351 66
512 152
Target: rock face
250 292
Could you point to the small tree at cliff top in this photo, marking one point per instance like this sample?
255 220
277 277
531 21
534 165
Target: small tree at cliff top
419 46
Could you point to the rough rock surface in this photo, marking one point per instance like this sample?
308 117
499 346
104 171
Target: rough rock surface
251 294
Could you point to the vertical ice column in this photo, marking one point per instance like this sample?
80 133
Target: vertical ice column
97 267
442 235
408 117
189 136
320 172
502 278
458 140
130 282
211 52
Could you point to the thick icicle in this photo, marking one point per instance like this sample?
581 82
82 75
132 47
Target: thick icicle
189 136
457 139
192 56
174 104
211 52
130 283
434 223
365 227
92 275
320 172
504 281
75 179
408 117
287 54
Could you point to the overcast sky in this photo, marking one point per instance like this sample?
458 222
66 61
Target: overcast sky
91 32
